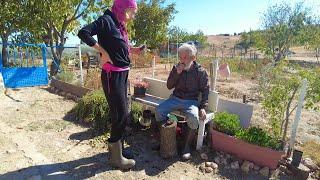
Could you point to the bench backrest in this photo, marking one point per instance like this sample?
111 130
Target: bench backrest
244 111
159 88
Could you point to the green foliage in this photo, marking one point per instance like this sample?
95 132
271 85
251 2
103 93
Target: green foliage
258 136
246 41
284 26
93 108
313 92
280 87
227 123
151 22
136 111
66 76
177 34
230 124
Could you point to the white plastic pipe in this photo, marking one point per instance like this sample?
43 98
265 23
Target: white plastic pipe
80 62
298 113
153 66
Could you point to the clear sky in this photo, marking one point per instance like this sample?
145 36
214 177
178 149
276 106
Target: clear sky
224 16
220 16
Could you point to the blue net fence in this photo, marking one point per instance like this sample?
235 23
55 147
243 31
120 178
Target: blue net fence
23 65
27 65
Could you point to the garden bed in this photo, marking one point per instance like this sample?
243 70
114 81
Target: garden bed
69 88
260 155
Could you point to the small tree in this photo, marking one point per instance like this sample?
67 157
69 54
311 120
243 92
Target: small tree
151 22
246 41
283 26
280 87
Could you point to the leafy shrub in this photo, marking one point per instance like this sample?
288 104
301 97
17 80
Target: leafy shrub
66 76
258 136
93 108
136 111
230 124
227 123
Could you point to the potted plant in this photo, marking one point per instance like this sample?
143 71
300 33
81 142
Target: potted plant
252 144
140 88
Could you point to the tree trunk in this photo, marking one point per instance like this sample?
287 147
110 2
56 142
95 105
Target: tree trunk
4 50
57 55
168 142
288 115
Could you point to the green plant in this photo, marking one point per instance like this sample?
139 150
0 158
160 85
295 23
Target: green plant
258 136
93 108
136 111
227 123
66 76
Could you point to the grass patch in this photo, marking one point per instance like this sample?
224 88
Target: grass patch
311 149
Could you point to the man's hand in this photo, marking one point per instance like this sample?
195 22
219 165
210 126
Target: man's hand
180 68
202 114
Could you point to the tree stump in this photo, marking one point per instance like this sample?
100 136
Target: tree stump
168 142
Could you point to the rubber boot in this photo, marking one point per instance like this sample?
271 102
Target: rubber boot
116 158
186 153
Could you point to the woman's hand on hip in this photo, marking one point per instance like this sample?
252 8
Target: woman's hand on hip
105 58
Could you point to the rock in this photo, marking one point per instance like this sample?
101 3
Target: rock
208 169
245 167
214 165
36 177
310 164
240 161
251 165
228 156
204 156
282 168
217 160
224 161
202 168
256 167
208 164
235 165
275 174
69 96
264 171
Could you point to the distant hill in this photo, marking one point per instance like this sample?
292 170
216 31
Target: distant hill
219 40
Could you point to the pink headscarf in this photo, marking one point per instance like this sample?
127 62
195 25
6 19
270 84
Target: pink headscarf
119 8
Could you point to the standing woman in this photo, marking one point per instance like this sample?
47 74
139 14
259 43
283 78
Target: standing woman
114 48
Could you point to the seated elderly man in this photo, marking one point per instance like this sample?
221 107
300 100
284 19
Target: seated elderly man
188 79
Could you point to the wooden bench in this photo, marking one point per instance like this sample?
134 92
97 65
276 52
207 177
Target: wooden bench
157 92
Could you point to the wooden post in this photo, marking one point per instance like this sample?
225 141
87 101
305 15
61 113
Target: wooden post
213 74
168 142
